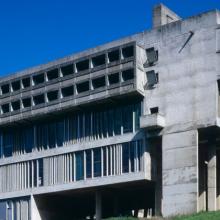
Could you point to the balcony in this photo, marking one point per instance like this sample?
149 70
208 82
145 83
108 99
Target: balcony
152 121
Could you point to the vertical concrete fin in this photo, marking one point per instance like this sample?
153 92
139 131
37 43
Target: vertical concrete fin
163 15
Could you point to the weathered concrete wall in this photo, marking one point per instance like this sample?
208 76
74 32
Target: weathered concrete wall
180 173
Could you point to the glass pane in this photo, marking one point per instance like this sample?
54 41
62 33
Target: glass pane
97 162
125 158
88 164
79 165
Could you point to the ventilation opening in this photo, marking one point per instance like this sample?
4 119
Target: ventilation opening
67 91
113 56
53 95
128 52
52 74
5 89
82 87
152 56
113 78
98 61
67 70
38 79
128 74
5 108
82 65
16 105
16 85
154 110
152 78
26 82
98 82
26 102
39 99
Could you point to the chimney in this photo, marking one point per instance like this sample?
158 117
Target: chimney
163 15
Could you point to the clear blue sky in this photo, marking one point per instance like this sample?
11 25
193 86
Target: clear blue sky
33 32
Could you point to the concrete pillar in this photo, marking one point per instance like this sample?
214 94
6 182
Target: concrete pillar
98 206
218 179
212 182
35 214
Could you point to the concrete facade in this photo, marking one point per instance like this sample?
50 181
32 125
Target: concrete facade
136 120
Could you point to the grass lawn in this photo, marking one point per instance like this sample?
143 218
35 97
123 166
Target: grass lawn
199 216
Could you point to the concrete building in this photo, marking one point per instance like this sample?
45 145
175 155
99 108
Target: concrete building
129 127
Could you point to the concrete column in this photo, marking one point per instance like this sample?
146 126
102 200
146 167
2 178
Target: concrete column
35 214
212 182
98 206
218 179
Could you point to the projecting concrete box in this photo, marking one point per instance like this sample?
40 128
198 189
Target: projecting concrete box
152 121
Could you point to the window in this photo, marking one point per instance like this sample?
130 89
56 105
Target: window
26 82
152 55
16 85
152 78
5 89
38 79
98 61
16 105
60 133
39 99
5 108
52 135
82 87
79 165
117 121
128 52
52 74
127 117
98 82
88 164
28 139
7 143
113 56
128 74
41 172
26 102
154 110
67 91
97 162
82 65
125 158
113 78
52 95
67 70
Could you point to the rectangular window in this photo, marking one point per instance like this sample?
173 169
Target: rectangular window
88 164
26 82
67 91
82 65
98 82
41 172
67 70
113 56
16 85
113 78
38 79
79 165
5 89
98 61
16 105
52 95
52 74
8 144
128 52
97 162
82 87
39 99
152 55
60 133
125 158
26 102
52 135
127 117
128 75
117 121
